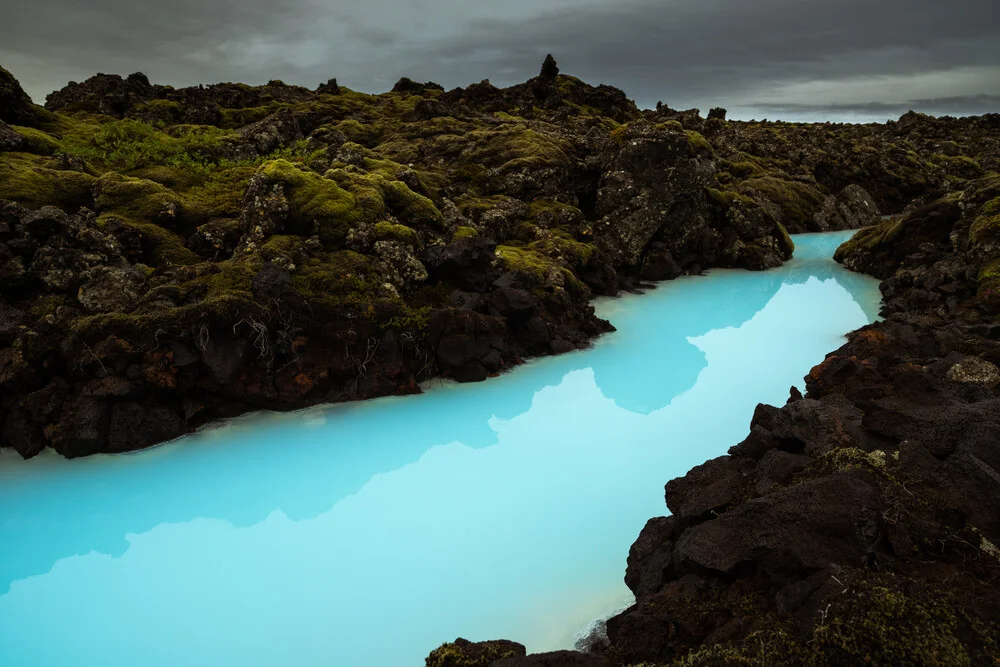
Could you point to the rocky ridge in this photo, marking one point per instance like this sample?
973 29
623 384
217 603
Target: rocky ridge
169 257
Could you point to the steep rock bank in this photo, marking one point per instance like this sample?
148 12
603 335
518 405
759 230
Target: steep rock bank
170 257
858 523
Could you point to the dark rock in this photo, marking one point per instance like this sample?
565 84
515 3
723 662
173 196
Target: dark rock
549 68
710 487
16 107
554 659
271 282
466 263
329 88
409 86
851 208
217 239
82 429
513 303
224 356
649 557
21 435
473 371
136 426
456 351
463 653
45 222
10 140
108 94
10 319
717 113
278 130
809 526
108 290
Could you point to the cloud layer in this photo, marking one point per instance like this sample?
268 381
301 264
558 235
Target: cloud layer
783 57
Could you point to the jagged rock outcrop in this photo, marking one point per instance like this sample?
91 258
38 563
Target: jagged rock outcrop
16 107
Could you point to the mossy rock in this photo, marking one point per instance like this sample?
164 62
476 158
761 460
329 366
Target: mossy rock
986 226
699 144
160 246
316 204
538 270
387 231
989 286
463 653
376 195
798 202
140 200
464 233
25 179
347 282
220 192
38 142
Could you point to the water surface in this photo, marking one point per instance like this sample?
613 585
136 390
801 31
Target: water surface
367 534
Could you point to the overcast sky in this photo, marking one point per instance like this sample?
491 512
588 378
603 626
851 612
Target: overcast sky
793 59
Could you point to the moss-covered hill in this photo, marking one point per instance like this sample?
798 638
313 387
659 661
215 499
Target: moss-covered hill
172 256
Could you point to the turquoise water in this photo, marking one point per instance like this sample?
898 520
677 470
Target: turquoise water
367 534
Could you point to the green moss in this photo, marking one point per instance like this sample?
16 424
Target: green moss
987 225
465 233
375 195
143 201
25 179
989 286
798 202
870 238
233 277
160 246
786 240
540 271
550 213
387 231
699 144
316 203
169 176
38 142
562 246
510 147
721 198
475 655
741 169
221 192
347 283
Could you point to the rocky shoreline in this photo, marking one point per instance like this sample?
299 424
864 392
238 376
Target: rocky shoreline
857 524
171 257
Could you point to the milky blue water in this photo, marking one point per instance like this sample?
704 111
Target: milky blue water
367 534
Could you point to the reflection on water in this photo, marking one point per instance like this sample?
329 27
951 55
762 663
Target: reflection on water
366 534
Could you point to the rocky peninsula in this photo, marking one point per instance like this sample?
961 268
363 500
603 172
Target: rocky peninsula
171 257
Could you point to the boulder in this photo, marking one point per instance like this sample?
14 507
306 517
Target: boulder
463 653
111 290
16 107
834 520
851 208
554 659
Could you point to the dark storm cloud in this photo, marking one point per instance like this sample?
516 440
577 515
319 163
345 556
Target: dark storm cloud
762 54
